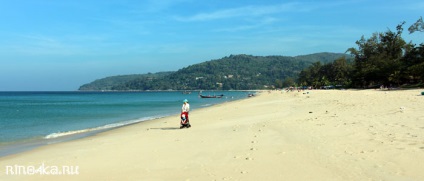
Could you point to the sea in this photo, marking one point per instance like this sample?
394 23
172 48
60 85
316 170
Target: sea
32 119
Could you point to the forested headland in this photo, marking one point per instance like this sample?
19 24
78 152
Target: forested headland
384 59
234 72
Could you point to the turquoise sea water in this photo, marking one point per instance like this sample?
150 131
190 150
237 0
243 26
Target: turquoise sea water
30 119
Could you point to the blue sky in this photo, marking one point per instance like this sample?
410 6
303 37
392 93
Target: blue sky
62 44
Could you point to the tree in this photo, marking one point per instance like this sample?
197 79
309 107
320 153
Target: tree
278 83
413 63
384 58
417 26
315 74
341 72
378 59
311 75
288 82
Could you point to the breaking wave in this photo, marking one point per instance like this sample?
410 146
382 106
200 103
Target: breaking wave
104 127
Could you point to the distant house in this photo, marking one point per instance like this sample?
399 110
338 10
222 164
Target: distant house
228 76
197 78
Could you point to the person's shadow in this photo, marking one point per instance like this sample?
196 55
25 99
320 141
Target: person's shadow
167 128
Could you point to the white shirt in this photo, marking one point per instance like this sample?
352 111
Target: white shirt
185 108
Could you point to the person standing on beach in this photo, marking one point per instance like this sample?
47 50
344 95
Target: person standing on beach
184 114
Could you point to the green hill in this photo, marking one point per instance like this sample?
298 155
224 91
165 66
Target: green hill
113 81
235 72
324 57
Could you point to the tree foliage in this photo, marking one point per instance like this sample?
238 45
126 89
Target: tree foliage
335 73
417 26
383 59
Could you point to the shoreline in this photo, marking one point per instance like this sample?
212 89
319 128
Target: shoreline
21 146
323 135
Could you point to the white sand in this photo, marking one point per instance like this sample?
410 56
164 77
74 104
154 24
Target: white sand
323 135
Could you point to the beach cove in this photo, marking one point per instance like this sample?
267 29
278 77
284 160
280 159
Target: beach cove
309 135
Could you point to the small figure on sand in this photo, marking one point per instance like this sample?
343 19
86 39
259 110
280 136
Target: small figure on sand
184 114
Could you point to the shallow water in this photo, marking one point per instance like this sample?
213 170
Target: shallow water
30 119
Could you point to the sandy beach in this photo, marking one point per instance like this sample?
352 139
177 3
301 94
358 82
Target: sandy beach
310 135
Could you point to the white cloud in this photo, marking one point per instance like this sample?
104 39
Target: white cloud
257 24
49 45
256 11
246 11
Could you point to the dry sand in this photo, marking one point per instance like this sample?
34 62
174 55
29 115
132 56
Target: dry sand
319 135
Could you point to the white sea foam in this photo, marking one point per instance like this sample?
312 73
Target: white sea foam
108 126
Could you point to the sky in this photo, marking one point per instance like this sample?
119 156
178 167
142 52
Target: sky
58 45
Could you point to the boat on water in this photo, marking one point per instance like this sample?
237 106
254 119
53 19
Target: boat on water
186 92
214 96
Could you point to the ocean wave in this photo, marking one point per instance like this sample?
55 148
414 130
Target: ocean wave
104 127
